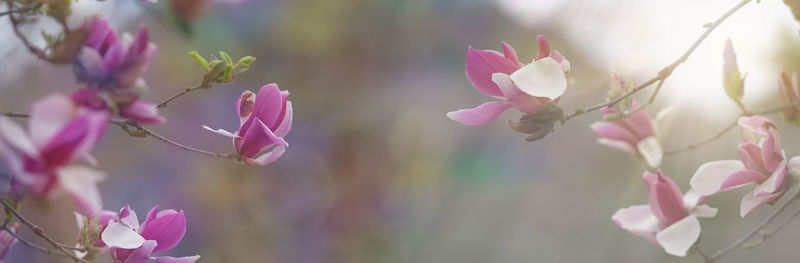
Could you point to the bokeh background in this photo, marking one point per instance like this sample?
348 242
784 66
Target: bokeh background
375 171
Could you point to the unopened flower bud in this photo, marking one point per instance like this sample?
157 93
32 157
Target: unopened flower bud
540 124
732 79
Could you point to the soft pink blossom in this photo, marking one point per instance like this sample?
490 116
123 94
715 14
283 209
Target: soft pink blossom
264 119
41 159
503 76
131 242
762 163
110 68
670 219
635 135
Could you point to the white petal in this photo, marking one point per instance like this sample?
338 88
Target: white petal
704 211
16 137
616 144
119 235
650 149
81 183
709 177
48 116
222 132
680 236
794 164
541 78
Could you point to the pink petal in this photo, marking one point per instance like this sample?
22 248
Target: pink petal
613 131
222 132
680 236
16 137
641 123
481 64
750 128
268 157
191 259
774 182
98 32
166 229
750 201
268 104
718 176
480 115
544 47
257 139
142 112
666 199
7 240
771 152
750 154
128 217
139 255
286 122
521 100
639 220
48 116
244 105
81 183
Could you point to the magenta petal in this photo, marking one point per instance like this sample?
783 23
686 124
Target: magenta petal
49 115
521 100
268 157
641 123
142 112
256 139
7 240
481 64
139 255
98 32
666 199
480 115
166 229
244 105
191 259
286 122
268 104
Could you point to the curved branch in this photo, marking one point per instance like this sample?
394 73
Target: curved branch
667 71
40 232
181 93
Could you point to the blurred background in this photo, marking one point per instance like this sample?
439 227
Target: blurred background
375 171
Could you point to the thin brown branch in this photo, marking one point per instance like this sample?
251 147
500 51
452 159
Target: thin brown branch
791 198
15 23
32 245
725 130
22 9
183 92
667 71
40 232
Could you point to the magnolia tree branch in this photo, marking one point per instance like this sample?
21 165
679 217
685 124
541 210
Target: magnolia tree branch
137 130
183 92
667 71
725 130
65 250
758 229
15 23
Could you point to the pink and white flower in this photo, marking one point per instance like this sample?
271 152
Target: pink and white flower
59 132
763 163
503 76
264 119
670 219
636 134
134 243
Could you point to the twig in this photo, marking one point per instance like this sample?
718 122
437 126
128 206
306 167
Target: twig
181 93
40 232
137 130
725 130
15 25
667 71
33 245
22 9
756 229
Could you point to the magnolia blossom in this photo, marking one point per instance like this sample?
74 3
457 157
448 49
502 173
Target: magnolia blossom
635 135
264 120
669 220
763 163
134 243
59 132
7 240
110 68
503 76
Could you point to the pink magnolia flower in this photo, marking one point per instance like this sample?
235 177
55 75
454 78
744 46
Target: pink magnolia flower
670 220
110 68
503 76
134 243
59 132
264 120
7 240
635 135
763 163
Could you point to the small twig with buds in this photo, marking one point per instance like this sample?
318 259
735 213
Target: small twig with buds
65 250
15 23
183 92
758 229
667 71
725 130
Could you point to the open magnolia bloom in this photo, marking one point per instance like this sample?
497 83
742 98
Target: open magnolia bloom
40 159
669 220
264 119
636 135
763 163
134 243
525 87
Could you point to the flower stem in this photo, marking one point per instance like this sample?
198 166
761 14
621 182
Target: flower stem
181 93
